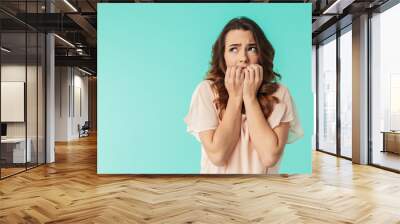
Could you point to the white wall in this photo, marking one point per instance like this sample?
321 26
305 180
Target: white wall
12 101
12 73
71 93
79 112
15 72
33 127
61 103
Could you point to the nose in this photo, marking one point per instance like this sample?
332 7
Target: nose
243 59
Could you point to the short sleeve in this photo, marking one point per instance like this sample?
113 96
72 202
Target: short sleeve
202 113
290 115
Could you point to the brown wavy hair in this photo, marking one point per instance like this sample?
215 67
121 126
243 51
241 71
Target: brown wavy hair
266 53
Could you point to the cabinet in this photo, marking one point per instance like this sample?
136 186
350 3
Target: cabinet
391 141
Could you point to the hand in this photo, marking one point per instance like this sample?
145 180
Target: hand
234 78
252 81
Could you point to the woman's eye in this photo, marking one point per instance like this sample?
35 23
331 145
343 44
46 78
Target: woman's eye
233 49
253 49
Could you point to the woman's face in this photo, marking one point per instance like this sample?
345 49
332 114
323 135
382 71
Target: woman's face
240 48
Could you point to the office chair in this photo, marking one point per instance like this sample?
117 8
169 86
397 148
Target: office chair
84 130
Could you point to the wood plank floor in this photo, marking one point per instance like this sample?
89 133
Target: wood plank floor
10 171
70 191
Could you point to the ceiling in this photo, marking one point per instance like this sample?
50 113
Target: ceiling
76 22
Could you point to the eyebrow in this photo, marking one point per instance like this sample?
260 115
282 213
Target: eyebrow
234 45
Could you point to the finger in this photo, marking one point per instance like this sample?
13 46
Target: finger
232 73
242 74
256 73
252 72
227 73
246 75
260 74
237 74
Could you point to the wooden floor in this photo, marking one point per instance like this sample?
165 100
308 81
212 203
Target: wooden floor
388 159
70 191
5 172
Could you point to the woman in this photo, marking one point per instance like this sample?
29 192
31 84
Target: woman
239 113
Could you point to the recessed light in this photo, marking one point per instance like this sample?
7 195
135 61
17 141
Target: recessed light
5 50
84 71
64 40
70 5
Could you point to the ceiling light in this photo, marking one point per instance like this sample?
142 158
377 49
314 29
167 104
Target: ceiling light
84 71
70 5
64 40
5 50
337 7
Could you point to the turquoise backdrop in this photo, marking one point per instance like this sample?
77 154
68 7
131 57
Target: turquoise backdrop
150 59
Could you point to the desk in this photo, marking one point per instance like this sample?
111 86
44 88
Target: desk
391 141
16 151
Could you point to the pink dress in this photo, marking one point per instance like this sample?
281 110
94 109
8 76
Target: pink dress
244 159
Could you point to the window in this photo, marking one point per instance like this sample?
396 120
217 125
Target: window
385 89
327 96
346 92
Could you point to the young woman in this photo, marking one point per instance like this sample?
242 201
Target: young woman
241 115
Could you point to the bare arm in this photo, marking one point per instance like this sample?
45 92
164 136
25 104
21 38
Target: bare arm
220 143
269 143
